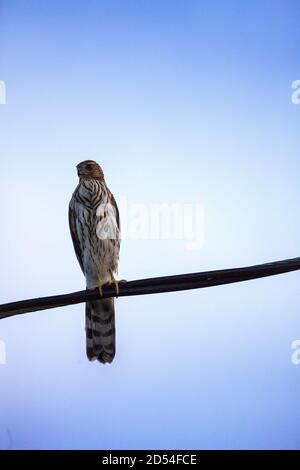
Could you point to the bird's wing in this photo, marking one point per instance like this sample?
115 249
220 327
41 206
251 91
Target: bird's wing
74 235
114 204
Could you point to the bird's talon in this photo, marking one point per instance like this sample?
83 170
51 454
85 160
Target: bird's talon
116 283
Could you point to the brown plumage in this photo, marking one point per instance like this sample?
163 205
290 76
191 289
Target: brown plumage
95 230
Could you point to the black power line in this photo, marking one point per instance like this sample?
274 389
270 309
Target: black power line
155 285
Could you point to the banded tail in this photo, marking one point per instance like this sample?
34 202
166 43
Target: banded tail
100 330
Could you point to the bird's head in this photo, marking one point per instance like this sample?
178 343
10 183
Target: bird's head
90 169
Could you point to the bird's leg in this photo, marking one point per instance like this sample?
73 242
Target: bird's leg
100 291
100 285
116 282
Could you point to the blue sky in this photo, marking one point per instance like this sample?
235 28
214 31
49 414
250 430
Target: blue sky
179 101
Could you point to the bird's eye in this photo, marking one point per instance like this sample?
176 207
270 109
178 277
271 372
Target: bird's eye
89 167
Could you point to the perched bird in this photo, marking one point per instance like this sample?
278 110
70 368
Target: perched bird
95 229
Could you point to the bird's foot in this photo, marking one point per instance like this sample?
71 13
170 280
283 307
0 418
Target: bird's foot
113 281
116 283
101 284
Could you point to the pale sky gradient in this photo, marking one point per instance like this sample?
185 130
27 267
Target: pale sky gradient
180 101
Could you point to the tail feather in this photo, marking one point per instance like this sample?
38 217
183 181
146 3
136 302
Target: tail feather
100 330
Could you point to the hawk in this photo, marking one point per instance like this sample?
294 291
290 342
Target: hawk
95 229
